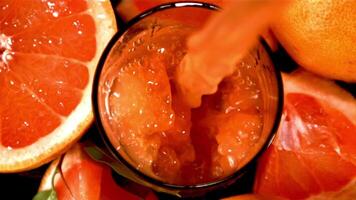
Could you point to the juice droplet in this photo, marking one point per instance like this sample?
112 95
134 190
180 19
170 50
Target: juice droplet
6 55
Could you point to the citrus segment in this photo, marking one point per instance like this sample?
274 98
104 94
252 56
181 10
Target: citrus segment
83 178
18 128
18 16
79 172
49 51
53 82
313 151
69 37
346 193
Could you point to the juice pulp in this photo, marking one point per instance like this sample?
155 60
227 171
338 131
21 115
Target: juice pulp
153 129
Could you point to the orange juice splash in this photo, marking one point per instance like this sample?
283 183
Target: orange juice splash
214 51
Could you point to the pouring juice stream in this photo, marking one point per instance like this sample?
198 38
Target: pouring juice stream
226 38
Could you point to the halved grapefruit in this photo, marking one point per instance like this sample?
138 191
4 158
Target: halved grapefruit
83 178
314 152
49 51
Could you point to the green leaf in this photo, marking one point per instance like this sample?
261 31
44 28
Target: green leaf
93 152
49 194
103 156
46 195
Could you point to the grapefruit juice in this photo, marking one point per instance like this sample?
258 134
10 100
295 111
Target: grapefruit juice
152 128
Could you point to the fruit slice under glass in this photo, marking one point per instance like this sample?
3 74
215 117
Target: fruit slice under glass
49 51
83 178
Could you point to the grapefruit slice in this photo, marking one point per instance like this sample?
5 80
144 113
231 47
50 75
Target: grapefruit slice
314 152
49 51
83 178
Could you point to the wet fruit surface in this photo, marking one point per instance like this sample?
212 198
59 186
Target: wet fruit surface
314 150
83 178
49 50
42 73
157 132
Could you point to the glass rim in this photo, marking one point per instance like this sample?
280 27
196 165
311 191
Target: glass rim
95 105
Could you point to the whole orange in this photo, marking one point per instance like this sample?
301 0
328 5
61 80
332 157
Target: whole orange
321 36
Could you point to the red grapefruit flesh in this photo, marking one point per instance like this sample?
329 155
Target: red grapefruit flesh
83 178
314 150
48 53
